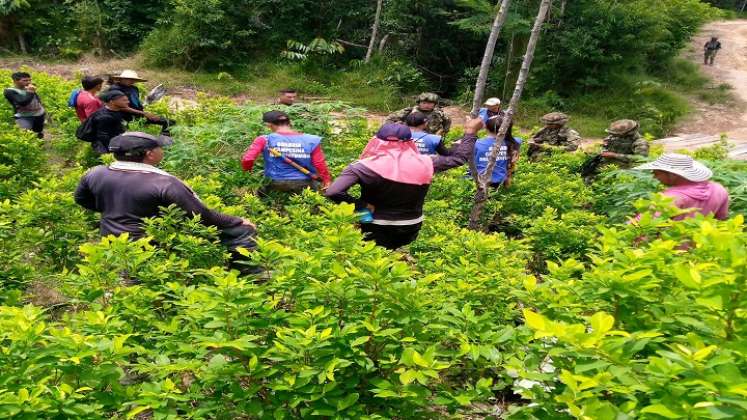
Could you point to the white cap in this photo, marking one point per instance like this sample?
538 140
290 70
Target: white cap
681 165
492 102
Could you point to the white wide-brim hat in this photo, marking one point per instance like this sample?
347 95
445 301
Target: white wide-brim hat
492 102
682 165
129 74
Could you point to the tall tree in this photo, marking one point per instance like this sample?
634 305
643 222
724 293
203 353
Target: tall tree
374 30
487 57
482 179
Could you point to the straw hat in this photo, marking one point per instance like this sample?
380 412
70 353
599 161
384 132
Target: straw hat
129 74
681 165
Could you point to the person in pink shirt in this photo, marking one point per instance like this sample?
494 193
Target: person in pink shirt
87 103
689 185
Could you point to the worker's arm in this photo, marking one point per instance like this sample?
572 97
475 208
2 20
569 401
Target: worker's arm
253 152
178 193
441 149
83 195
338 191
16 99
398 116
320 164
462 149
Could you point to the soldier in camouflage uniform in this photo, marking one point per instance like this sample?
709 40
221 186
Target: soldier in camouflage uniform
623 147
554 136
438 122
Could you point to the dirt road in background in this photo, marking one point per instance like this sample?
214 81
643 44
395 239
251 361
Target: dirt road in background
730 68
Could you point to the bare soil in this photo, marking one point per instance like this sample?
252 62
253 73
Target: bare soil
730 68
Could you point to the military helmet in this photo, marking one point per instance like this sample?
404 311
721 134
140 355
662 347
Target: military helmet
554 118
428 97
622 127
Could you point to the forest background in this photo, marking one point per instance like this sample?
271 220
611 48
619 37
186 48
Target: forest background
598 59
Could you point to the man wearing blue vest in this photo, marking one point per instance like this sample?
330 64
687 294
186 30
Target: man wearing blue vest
492 109
507 155
293 160
428 144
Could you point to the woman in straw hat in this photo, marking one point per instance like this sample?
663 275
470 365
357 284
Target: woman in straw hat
689 185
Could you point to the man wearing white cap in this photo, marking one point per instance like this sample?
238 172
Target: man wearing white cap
492 109
689 185
125 83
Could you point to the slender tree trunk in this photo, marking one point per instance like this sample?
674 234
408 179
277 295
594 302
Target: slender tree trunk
509 65
487 57
483 179
744 4
374 30
22 43
384 39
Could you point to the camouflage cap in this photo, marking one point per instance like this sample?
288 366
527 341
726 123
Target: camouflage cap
554 118
621 127
428 97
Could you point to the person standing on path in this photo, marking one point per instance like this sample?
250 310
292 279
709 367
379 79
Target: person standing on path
28 110
428 144
689 184
554 136
438 122
710 49
283 143
87 102
394 179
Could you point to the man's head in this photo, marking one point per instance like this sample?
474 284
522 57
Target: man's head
115 99
416 120
135 146
427 101
21 79
394 132
714 38
494 125
92 83
287 97
276 120
676 169
493 104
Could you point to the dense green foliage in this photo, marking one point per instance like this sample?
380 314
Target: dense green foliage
559 313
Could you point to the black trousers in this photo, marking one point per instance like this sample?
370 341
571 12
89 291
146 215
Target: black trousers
35 124
289 186
165 124
391 237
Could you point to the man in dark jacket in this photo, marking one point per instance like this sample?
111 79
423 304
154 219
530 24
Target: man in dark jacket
109 121
133 188
27 107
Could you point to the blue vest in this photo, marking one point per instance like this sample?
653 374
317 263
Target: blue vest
483 148
427 143
298 147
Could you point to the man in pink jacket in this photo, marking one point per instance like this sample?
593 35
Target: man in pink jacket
689 185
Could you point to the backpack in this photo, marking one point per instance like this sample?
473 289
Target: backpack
86 131
72 100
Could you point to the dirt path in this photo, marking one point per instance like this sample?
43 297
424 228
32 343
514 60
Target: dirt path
708 122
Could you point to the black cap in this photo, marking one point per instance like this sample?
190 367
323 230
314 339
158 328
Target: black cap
111 94
136 140
415 119
275 117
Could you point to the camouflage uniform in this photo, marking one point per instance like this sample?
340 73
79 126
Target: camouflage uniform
558 138
438 122
624 139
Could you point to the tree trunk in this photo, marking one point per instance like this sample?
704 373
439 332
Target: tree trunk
509 65
22 43
481 196
487 57
744 4
384 39
374 30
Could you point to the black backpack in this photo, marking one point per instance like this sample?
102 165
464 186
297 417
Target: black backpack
87 129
